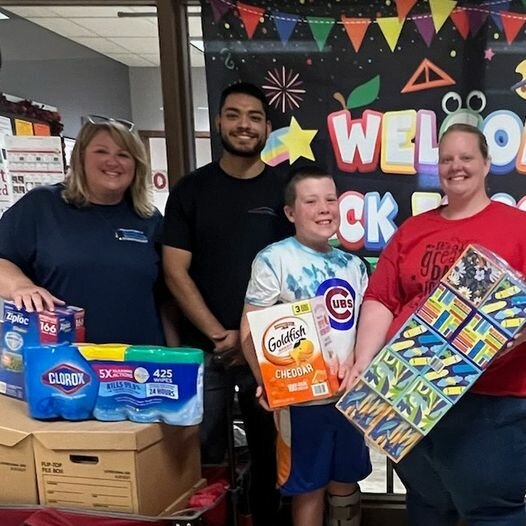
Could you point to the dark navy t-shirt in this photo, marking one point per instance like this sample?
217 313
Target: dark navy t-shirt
224 222
102 258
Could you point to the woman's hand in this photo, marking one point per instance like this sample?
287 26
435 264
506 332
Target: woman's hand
352 374
518 339
33 298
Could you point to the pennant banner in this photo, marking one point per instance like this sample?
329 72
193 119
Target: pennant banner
440 11
320 27
285 24
391 28
426 28
356 29
476 20
403 7
251 17
219 9
495 12
461 20
512 23
366 89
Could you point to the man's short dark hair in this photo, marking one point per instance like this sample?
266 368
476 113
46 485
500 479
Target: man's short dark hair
299 174
245 88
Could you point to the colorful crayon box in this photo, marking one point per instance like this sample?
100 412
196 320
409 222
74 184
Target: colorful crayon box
467 319
292 343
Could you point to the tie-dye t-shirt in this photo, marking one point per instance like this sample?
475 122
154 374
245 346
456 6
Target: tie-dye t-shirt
288 271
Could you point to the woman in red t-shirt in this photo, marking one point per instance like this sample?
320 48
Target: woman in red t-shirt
473 463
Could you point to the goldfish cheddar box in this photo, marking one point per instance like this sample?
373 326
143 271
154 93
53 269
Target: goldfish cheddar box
293 347
468 318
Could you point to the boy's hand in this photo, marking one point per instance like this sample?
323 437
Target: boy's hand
261 397
343 370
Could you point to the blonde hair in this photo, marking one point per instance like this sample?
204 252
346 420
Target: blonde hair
140 191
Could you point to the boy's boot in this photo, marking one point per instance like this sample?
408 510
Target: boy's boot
344 510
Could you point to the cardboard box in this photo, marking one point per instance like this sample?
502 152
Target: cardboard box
117 466
293 347
18 484
468 318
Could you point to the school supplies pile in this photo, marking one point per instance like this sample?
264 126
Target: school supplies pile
470 316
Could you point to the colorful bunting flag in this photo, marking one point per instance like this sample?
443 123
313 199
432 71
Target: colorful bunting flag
512 23
495 11
219 9
251 17
391 28
285 24
425 27
320 28
461 21
466 20
440 11
356 29
476 20
403 7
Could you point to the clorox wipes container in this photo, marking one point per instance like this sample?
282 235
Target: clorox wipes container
102 358
59 382
148 383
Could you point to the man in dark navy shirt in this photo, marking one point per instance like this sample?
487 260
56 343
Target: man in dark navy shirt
217 219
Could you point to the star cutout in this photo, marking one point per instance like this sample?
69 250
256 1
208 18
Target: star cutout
489 53
297 141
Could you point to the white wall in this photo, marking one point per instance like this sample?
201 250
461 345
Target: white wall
147 102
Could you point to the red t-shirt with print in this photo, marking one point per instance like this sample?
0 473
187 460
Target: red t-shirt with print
425 247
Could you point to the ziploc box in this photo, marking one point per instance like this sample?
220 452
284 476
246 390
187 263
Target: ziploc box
78 315
293 347
468 318
27 329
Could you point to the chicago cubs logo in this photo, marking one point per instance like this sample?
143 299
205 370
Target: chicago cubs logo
339 299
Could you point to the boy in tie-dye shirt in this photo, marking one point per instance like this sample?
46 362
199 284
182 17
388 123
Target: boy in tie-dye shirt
319 452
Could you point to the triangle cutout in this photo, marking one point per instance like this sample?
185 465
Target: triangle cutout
427 76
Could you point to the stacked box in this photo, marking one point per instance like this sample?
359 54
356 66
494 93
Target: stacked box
469 317
23 329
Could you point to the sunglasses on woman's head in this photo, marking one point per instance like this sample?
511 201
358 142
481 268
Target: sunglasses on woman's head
100 119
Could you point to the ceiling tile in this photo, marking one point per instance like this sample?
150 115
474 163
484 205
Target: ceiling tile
119 27
138 45
87 11
130 60
101 45
130 40
63 27
28 11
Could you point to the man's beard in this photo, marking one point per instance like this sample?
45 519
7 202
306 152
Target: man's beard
254 152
